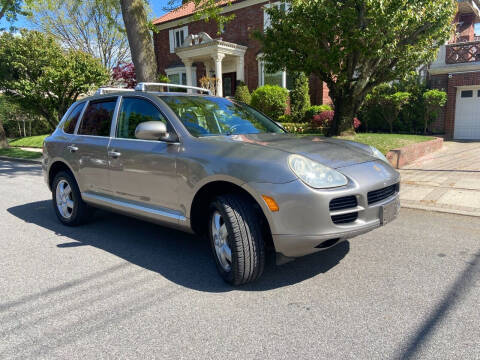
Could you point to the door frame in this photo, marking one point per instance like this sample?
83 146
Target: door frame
233 76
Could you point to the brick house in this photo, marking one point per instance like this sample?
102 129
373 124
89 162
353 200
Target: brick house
457 71
186 50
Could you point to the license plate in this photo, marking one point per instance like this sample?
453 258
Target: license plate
390 211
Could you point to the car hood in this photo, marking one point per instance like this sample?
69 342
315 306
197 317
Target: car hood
333 153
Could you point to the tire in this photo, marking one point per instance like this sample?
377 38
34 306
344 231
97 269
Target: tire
235 222
74 210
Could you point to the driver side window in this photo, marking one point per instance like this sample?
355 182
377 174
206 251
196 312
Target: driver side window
134 111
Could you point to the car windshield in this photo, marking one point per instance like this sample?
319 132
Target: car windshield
212 116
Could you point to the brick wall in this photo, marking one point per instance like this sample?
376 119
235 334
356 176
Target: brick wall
239 31
439 82
466 79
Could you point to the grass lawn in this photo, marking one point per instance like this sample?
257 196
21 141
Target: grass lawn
387 142
31 141
19 153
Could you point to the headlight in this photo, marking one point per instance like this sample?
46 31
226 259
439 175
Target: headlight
314 174
378 154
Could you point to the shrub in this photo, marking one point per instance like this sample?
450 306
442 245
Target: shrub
315 110
324 119
300 98
271 100
286 118
302 128
243 94
356 123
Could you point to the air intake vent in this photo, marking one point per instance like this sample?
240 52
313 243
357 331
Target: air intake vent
382 194
343 203
345 218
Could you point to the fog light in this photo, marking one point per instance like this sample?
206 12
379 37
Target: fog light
271 203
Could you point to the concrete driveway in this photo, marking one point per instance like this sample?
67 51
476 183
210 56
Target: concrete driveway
120 288
446 181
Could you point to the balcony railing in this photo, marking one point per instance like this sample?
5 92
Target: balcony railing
463 52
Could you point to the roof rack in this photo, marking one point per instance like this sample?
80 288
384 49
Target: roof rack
107 90
143 86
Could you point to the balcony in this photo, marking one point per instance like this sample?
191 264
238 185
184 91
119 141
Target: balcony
460 53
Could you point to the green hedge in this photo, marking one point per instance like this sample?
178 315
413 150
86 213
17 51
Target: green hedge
302 128
271 100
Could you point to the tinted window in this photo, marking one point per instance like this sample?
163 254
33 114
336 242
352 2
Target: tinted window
467 94
208 116
97 118
478 93
71 122
134 111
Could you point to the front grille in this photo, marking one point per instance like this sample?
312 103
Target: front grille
345 218
342 203
382 194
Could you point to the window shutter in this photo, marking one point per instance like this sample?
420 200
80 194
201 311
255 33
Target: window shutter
266 19
172 41
185 31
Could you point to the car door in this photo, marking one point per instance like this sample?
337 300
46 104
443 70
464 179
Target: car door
143 172
90 145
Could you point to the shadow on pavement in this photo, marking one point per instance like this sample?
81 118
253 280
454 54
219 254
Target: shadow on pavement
14 168
181 258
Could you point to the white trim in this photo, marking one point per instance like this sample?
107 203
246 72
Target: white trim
182 70
261 73
172 34
225 9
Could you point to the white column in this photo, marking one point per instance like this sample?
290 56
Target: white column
188 69
217 58
240 68
284 79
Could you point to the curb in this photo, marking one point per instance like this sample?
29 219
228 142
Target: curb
398 158
28 161
440 210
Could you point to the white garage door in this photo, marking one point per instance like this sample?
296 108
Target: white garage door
467 114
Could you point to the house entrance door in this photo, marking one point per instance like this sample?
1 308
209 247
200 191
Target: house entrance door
229 82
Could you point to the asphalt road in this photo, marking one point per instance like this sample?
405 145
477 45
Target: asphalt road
123 288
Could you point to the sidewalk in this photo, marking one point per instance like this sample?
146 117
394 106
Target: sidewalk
446 181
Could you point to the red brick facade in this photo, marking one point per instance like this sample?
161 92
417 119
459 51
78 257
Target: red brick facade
239 31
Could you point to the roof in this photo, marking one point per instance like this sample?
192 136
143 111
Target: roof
186 10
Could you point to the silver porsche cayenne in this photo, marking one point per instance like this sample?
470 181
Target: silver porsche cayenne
218 168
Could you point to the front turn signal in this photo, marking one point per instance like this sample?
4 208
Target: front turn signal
271 203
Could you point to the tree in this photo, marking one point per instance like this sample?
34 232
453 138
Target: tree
125 74
355 45
39 75
300 98
389 100
91 26
10 9
140 39
434 101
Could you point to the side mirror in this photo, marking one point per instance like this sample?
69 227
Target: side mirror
153 130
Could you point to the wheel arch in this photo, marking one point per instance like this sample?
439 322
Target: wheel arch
210 190
55 168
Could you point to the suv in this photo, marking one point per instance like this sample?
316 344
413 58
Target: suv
218 168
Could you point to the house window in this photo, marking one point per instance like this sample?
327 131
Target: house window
177 37
280 78
467 94
283 6
179 76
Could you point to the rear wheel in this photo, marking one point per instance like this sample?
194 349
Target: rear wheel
67 202
236 239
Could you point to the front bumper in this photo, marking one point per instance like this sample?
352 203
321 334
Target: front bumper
304 224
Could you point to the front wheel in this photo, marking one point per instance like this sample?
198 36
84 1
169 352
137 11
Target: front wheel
236 239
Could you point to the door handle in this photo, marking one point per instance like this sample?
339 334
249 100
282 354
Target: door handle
72 148
114 154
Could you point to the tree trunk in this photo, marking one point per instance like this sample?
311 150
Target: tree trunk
342 123
139 39
3 137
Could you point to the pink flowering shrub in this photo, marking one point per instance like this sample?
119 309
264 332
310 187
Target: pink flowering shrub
356 123
125 73
324 119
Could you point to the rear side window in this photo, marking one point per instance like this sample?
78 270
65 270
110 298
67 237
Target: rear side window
71 122
97 118
134 111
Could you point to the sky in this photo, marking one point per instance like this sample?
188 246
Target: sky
156 5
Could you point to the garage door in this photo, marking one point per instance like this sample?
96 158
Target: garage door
467 114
